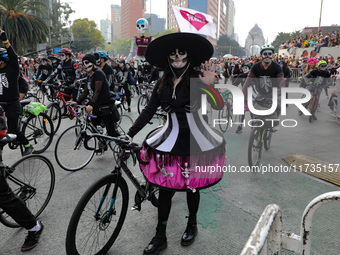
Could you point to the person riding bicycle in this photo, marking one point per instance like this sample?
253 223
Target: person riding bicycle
123 74
68 70
55 62
266 75
107 69
9 93
173 150
101 103
12 204
44 71
316 80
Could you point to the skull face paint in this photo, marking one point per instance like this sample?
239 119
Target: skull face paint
267 56
62 56
178 58
87 65
43 62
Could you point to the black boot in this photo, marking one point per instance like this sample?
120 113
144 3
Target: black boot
190 232
158 242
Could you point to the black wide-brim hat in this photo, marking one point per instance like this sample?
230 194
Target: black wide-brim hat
199 48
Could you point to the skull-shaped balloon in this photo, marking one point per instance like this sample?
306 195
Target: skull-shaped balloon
142 25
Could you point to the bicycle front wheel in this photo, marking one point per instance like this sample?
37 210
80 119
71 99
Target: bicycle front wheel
54 112
224 114
33 181
98 217
39 131
124 123
267 138
255 147
142 102
70 152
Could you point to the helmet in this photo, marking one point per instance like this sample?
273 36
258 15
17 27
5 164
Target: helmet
322 62
103 55
3 54
66 51
267 47
312 59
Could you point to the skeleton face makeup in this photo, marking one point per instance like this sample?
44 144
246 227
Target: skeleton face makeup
87 65
323 67
43 62
267 56
62 56
245 69
178 58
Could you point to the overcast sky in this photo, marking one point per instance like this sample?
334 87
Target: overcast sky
272 16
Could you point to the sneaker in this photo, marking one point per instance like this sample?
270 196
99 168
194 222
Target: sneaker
28 150
32 239
129 109
314 118
239 130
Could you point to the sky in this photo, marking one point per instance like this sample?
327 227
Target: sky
271 16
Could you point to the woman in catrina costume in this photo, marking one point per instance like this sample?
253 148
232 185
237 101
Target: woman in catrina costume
181 151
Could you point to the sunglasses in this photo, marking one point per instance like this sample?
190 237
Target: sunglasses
267 54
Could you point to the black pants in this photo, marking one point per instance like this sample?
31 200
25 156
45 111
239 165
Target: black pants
12 111
14 206
164 203
109 119
127 93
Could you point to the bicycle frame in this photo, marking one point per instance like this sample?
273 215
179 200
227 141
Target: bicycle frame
62 98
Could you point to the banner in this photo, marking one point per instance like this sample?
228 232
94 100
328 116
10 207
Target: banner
192 21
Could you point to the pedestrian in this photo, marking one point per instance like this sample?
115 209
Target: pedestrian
185 138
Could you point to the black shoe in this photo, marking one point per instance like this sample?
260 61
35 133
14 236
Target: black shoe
129 109
157 244
28 150
239 130
300 112
310 119
314 118
32 239
190 233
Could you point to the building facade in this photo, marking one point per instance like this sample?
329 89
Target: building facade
156 24
105 29
115 22
131 11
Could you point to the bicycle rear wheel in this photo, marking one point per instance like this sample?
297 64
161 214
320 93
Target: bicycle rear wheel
40 96
54 112
255 147
98 217
267 138
39 131
70 152
33 181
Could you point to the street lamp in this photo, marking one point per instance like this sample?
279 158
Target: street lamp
320 15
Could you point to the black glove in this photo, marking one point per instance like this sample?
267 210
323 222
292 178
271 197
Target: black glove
3 36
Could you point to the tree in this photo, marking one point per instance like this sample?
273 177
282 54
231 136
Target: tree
60 22
24 31
122 47
283 37
227 45
86 36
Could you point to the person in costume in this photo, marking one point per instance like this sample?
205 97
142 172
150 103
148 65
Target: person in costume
186 142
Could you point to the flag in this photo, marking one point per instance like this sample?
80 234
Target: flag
192 21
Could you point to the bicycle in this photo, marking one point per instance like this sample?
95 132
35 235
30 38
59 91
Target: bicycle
100 214
145 96
70 144
31 178
314 103
226 113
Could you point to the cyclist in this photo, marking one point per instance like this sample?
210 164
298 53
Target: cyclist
9 93
101 103
317 79
108 70
123 73
266 75
44 70
68 70
55 61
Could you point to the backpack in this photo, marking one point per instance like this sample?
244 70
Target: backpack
3 123
130 79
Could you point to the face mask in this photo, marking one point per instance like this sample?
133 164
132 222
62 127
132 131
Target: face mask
43 62
267 56
87 65
323 67
62 56
178 58
245 69
120 64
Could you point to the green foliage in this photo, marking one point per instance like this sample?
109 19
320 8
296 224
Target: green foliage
165 32
227 45
122 47
24 31
60 16
283 37
86 36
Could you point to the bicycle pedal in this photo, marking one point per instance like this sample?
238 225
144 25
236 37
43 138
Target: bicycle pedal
136 207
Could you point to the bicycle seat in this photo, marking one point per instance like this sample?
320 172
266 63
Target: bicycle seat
8 138
25 102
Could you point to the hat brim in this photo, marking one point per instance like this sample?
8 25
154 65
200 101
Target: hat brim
199 48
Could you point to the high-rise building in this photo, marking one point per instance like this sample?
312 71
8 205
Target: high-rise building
131 11
216 8
156 24
115 22
230 18
105 29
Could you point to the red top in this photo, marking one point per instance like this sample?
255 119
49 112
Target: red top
142 42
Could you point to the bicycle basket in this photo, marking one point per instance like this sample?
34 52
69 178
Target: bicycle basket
267 119
34 108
